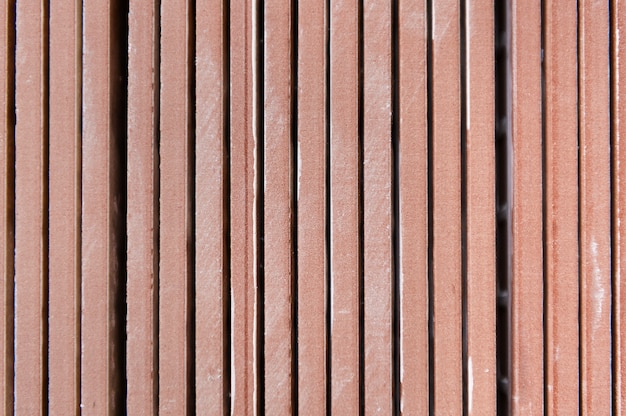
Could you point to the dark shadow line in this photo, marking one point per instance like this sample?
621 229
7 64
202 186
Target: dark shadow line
156 197
191 238
429 111
294 206
328 219
502 203
361 231
463 53
395 205
226 204
9 239
46 210
613 114
258 109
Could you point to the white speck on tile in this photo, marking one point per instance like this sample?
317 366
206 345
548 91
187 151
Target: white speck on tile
598 293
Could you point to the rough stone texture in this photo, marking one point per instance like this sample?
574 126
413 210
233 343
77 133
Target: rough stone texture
345 267
141 218
64 207
311 199
561 209
526 281
30 209
480 360
446 205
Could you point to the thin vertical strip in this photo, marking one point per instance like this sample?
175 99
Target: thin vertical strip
464 119
258 117
361 188
503 211
175 212
7 202
377 185
142 217
395 210
210 233
429 208
311 200
480 200
191 192
413 207
446 171
277 212
561 161
64 177
243 197
344 206
618 148
328 224
595 208
525 202
100 240
31 209
227 393
294 204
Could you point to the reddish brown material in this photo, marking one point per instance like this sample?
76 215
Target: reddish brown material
100 210
413 209
61 207
211 260
480 197
618 87
377 244
526 282
344 207
64 214
175 212
311 197
595 208
278 247
6 210
141 225
243 202
561 239
446 195
30 209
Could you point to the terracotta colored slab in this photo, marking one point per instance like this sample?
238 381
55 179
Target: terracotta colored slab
142 213
413 209
100 271
618 90
344 207
30 209
526 284
243 202
65 207
311 194
7 141
211 260
561 238
174 210
377 204
480 199
278 247
446 195
595 208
